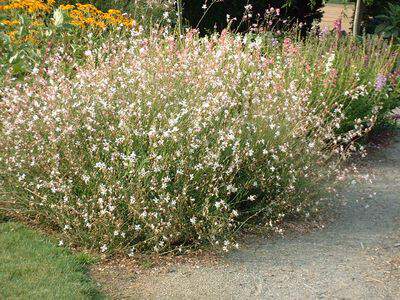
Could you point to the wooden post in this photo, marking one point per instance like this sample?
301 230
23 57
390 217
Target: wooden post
357 18
179 3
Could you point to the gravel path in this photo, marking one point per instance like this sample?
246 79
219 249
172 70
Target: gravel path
333 12
357 256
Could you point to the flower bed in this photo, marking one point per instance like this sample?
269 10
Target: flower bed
159 144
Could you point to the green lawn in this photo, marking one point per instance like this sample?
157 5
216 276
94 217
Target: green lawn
34 267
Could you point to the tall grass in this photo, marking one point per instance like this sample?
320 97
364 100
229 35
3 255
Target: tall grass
160 144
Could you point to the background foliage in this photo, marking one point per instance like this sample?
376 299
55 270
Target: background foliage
214 15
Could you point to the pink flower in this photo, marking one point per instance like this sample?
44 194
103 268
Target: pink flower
380 82
337 25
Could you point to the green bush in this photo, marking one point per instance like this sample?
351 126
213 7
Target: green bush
389 22
372 9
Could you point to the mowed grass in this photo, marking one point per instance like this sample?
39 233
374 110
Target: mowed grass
34 267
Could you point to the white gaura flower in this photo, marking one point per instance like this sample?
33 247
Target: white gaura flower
131 251
86 178
21 177
103 248
252 198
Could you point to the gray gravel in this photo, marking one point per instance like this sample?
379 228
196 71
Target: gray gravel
357 256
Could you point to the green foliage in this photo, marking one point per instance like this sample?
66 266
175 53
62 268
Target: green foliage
25 53
33 267
20 56
389 22
373 9
214 15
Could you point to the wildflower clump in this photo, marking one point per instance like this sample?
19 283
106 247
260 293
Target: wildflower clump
159 144
29 6
38 13
87 15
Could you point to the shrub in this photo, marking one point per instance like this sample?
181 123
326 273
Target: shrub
158 144
389 22
378 15
252 12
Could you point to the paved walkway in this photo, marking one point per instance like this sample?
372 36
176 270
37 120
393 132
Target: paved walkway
333 12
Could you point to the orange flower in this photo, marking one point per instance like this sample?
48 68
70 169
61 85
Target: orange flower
67 7
82 15
10 22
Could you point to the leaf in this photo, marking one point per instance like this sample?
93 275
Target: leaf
19 67
58 17
5 39
13 58
380 28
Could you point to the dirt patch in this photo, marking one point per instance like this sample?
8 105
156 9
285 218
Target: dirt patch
116 276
